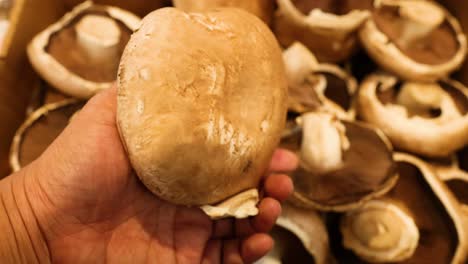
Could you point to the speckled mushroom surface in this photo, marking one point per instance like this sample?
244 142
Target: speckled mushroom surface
201 103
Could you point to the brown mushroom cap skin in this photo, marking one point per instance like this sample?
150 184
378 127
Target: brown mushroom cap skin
201 103
261 8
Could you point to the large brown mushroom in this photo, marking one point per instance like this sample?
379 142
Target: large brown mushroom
318 86
342 163
418 195
39 130
417 40
327 27
261 8
80 54
300 237
201 105
429 119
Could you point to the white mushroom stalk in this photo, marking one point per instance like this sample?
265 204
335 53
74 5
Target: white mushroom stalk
380 231
421 97
420 18
323 142
299 62
99 36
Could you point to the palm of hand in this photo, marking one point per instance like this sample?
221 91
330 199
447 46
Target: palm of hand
92 209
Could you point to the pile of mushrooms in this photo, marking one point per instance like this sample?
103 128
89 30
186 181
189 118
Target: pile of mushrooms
371 202
79 56
373 113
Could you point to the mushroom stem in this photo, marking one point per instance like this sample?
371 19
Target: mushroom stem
419 97
323 142
299 62
380 231
420 18
99 36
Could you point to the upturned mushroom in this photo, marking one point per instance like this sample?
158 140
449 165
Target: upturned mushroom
419 198
300 237
328 28
261 8
201 106
139 7
39 130
342 163
317 86
429 119
380 231
79 55
417 40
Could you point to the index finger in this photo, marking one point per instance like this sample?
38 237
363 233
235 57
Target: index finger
283 160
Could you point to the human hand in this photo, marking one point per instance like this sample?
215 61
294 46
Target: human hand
80 202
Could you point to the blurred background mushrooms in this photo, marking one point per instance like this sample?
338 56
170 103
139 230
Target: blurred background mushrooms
40 130
80 54
327 27
342 163
416 40
429 119
260 8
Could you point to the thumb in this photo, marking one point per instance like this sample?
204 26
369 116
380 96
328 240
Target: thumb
90 144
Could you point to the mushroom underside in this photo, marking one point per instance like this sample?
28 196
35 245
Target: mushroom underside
390 96
337 7
438 236
64 47
352 181
438 47
43 131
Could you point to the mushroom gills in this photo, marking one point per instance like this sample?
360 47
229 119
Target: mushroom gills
419 29
40 130
428 101
90 46
337 7
419 196
342 163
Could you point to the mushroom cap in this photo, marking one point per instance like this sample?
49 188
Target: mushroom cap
332 38
201 103
39 130
55 72
380 231
432 137
390 56
314 86
300 237
261 8
435 210
367 171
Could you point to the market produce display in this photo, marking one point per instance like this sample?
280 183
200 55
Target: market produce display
363 91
